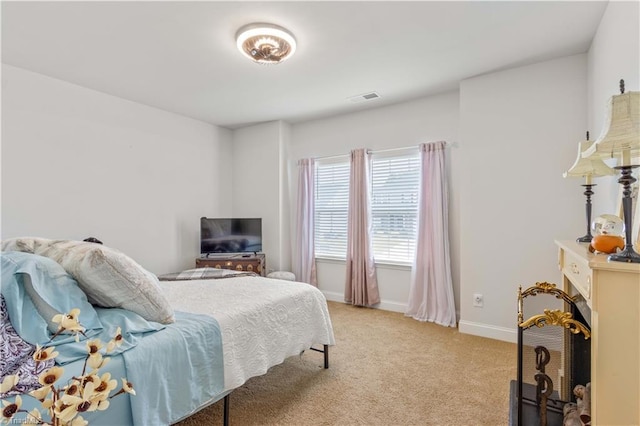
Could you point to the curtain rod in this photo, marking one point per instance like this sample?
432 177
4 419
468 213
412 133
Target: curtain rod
378 151
330 157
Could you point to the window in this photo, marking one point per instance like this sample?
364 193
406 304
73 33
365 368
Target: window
394 203
394 206
331 205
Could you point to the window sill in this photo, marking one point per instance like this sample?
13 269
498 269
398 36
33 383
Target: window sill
384 265
330 260
390 265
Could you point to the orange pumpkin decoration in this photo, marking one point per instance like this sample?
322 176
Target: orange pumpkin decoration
607 243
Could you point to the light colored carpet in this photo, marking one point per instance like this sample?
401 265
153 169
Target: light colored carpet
386 369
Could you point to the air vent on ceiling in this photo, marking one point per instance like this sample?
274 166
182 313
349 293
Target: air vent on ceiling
364 97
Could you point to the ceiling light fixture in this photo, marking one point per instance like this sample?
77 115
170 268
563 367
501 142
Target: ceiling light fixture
265 43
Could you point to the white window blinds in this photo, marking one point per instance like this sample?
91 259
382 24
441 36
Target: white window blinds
395 179
332 203
394 206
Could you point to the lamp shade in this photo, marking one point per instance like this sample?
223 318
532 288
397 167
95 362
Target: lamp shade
588 167
621 132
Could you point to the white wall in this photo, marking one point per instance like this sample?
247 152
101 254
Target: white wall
524 146
259 186
519 131
614 55
402 125
79 163
286 228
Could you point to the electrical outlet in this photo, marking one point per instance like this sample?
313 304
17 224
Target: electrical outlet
478 300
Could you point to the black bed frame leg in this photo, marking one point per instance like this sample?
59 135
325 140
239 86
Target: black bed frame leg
326 356
225 415
325 351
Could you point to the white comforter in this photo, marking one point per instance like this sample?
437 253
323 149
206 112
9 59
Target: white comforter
263 320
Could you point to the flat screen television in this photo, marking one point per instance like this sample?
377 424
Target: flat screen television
218 235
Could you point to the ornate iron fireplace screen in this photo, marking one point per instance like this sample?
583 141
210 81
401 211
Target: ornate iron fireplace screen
556 317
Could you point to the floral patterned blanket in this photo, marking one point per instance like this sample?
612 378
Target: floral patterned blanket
16 357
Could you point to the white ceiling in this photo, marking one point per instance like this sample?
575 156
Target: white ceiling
181 56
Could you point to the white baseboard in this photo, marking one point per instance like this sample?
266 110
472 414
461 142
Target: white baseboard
392 306
385 306
490 331
508 334
468 327
333 296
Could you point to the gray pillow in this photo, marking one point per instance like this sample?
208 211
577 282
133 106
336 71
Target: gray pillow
109 278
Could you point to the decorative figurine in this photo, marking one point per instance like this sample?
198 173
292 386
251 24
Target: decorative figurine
608 230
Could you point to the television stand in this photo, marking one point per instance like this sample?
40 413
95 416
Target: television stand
247 262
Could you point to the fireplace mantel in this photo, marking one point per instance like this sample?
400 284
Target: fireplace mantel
612 291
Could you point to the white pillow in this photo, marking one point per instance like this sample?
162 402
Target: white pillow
109 278
282 275
24 244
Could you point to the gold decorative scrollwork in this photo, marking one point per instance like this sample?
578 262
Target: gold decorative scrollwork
547 288
557 317
541 288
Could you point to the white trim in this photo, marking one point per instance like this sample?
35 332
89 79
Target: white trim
506 334
333 296
392 306
398 266
383 265
490 331
327 259
385 306
467 327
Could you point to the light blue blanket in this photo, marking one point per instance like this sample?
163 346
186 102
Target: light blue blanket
175 370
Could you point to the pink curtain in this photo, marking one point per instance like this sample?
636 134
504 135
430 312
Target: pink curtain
361 288
431 292
304 259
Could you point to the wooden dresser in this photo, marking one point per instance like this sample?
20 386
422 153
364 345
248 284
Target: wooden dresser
251 262
612 291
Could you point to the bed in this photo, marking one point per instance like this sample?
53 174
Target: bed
219 332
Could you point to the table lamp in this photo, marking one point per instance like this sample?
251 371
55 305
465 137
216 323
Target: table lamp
621 137
588 168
